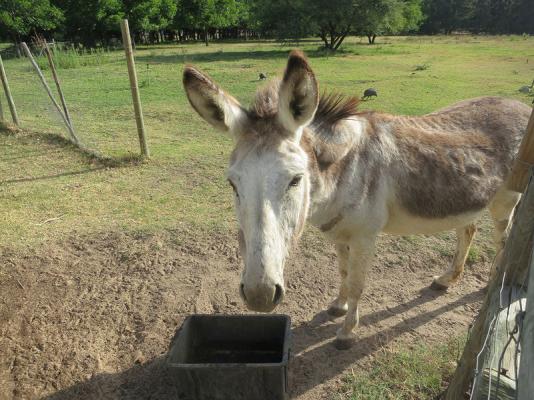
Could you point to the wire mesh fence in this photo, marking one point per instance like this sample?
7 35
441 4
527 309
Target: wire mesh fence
97 93
497 368
494 364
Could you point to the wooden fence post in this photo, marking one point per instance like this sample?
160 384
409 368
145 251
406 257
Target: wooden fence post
512 261
1 112
49 92
127 41
56 80
524 161
7 91
525 383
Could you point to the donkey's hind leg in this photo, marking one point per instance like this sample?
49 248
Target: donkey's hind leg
464 237
501 208
339 306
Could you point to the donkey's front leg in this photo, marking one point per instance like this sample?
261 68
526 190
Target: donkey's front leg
360 257
339 307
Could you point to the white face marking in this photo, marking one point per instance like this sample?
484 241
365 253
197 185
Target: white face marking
271 185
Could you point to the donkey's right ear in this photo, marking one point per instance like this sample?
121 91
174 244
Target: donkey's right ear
212 103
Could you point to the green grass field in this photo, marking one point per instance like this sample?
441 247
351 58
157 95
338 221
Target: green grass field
49 190
184 182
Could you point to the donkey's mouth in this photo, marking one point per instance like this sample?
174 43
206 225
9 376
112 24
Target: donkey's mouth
264 300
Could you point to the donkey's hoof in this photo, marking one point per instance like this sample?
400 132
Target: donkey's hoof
336 312
344 344
435 285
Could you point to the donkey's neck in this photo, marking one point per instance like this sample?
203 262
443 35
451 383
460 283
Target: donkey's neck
332 155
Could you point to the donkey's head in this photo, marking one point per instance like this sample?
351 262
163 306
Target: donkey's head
268 170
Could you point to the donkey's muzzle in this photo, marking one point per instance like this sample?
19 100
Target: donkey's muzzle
263 298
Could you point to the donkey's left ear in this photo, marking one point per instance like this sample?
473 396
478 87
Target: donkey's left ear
214 105
299 93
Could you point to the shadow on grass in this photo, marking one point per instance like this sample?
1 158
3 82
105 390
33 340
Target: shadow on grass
216 56
53 176
95 159
215 43
316 360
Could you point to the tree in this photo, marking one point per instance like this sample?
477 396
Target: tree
379 17
500 16
19 18
150 15
284 19
444 16
293 19
206 14
89 21
334 20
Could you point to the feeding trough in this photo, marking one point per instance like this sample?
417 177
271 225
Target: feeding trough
237 357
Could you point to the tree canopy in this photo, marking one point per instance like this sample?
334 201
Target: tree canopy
23 17
97 21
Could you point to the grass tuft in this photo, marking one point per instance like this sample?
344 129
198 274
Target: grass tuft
419 373
68 58
422 67
473 255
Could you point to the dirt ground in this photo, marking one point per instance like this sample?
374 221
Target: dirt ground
91 317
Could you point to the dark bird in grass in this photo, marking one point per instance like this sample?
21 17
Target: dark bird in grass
369 93
262 76
526 89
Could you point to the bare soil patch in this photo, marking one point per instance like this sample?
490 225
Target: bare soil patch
91 317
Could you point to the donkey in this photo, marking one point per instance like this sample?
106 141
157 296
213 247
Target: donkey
299 155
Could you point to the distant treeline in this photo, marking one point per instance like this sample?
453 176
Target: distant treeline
96 22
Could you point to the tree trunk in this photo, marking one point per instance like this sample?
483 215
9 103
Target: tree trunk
324 39
16 41
340 40
206 36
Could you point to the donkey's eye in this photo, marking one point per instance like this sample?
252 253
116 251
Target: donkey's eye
295 181
233 187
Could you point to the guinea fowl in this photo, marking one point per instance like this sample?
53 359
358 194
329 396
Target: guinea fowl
369 93
527 89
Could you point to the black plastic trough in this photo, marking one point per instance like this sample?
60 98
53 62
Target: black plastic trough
231 357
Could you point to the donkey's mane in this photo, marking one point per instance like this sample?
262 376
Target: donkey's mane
333 107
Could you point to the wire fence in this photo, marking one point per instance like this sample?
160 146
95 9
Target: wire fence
494 363
497 368
97 93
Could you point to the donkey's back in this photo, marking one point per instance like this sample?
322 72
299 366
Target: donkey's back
455 160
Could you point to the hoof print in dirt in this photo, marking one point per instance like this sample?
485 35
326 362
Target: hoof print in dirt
336 312
343 344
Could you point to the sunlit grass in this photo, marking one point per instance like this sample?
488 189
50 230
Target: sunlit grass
417 373
184 181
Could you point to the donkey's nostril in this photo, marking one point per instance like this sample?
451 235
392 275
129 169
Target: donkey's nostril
278 294
242 291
